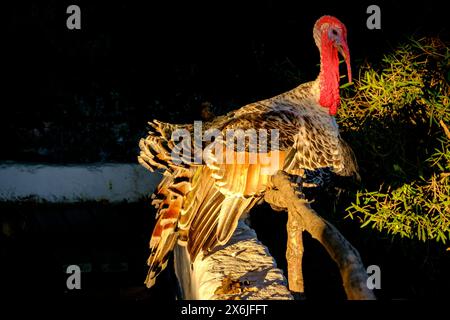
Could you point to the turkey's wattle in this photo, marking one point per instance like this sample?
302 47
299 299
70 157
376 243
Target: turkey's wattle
331 37
199 205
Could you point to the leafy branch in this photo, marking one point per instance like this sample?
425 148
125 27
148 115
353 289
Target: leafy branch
396 118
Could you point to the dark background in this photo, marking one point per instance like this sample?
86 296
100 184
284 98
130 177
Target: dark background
75 96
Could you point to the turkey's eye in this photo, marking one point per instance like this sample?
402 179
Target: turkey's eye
334 32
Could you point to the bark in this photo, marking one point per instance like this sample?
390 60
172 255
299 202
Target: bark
302 217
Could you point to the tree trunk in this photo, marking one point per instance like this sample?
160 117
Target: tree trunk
302 217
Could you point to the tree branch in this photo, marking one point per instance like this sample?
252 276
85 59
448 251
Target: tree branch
302 217
294 255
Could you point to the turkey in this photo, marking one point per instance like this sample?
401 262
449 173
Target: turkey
199 203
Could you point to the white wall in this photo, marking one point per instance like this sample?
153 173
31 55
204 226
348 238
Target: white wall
93 182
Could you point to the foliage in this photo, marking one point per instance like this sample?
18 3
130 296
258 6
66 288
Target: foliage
396 118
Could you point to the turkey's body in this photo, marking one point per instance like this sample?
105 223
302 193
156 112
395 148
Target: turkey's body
199 204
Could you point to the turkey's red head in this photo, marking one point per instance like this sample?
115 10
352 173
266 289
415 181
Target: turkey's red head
330 36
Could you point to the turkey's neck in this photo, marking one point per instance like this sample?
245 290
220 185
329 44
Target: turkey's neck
329 77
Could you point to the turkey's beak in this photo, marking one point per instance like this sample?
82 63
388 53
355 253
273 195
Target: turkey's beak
345 52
